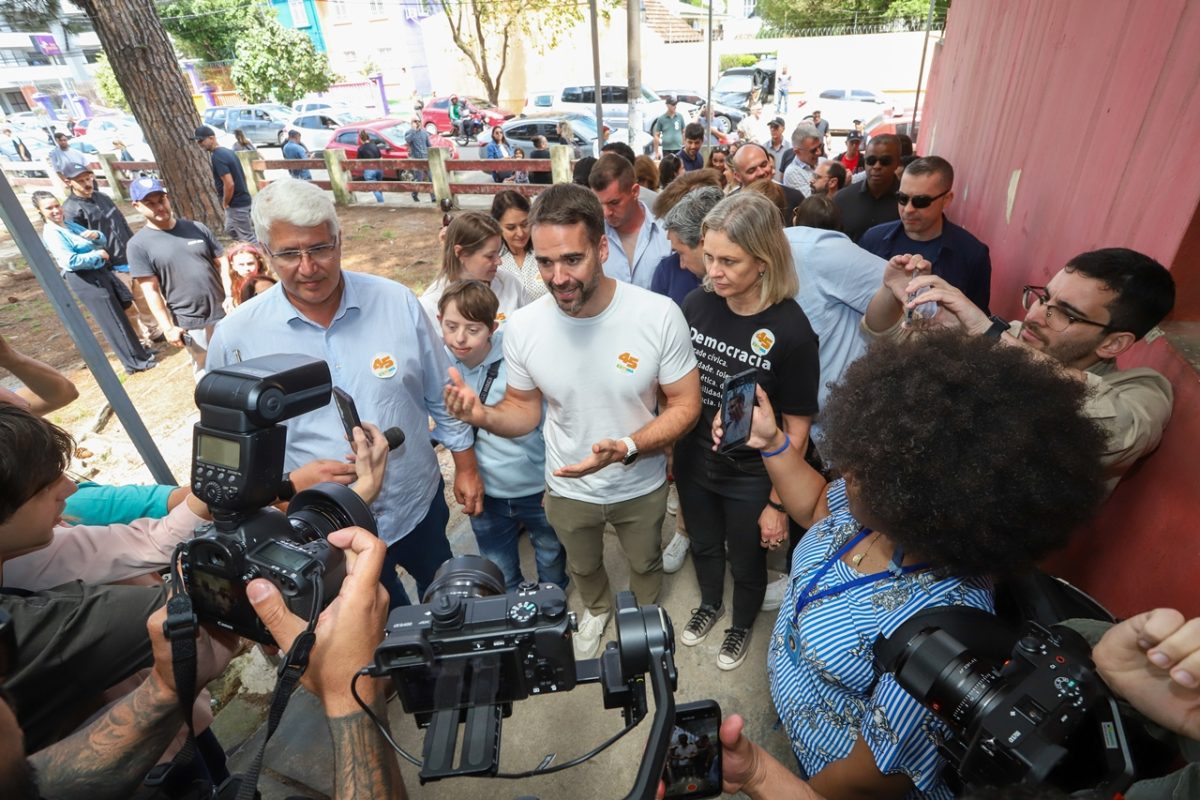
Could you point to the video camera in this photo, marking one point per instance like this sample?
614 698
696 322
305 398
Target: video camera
1040 714
237 469
470 650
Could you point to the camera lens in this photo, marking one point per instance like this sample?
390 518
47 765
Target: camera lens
327 507
465 576
939 671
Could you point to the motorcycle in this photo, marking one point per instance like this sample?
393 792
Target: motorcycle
469 127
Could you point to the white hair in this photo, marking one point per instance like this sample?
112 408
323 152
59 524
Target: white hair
804 131
294 201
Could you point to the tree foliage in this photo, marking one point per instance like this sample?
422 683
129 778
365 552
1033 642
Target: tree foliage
209 29
485 30
810 17
274 62
107 87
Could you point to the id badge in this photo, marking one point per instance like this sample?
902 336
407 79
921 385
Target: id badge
791 642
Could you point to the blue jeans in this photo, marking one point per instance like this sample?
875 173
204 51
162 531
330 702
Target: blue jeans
374 175
781 100
421 552
497 530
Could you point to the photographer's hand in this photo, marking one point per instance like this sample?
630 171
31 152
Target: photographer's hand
321 470
1152 661
365 766
370 458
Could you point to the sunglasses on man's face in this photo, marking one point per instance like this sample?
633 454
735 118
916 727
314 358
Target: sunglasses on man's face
884 161
920 200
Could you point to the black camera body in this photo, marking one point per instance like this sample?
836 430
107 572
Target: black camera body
469 644
238 455
1040 715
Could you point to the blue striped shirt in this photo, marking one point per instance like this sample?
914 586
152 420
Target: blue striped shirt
382 349
830 696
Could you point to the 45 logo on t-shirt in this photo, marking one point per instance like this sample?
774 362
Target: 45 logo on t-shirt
627 363
762 341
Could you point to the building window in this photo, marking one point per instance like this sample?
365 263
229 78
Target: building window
350 56
339 9
377 8
383 55
299 13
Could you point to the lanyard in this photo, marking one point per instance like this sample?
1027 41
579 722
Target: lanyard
894 570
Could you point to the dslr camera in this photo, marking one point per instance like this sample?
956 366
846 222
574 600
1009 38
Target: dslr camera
1039 714
237 469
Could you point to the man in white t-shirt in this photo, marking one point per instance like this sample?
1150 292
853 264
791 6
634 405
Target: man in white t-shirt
597 351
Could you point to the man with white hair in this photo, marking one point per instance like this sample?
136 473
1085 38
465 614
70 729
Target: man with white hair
806 143
380 348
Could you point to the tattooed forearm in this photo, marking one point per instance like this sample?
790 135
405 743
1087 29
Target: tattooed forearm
110 757
364 764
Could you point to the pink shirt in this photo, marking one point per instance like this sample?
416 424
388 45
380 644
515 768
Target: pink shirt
102 553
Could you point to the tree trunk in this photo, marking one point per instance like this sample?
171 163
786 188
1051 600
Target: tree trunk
144 63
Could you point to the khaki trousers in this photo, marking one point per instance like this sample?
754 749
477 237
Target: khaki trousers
638 525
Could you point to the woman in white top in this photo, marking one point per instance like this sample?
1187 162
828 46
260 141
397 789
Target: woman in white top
511 211
471 251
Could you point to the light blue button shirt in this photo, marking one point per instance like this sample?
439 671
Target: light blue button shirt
837 281
381 349
652 247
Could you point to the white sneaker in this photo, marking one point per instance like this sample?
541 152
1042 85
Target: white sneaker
587 638
675 552
672 502
776 591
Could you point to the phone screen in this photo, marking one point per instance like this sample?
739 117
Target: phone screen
347 411
737 404
693 767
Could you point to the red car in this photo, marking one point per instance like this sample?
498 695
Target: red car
388 135
435 116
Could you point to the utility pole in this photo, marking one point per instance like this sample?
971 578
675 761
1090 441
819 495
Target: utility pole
635 67
916 126
596 69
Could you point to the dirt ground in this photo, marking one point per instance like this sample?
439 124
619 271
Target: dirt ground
396 242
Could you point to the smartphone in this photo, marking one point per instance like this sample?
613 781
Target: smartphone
348 412
737 405
693 767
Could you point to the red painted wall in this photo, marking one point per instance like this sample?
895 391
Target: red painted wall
1072 125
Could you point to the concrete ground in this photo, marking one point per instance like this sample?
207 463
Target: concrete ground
298 761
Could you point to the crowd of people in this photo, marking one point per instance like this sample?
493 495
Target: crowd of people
571 356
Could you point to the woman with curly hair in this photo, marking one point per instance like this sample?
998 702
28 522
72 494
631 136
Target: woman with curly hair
510 209
745 320
951 477
248 273
471 251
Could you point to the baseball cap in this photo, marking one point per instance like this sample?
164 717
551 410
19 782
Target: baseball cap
203 132
854 136
75 170
142 188
777 123
672 100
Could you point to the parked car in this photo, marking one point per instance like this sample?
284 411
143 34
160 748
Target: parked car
317 127
388 134
841 106
520 132
261 125
336 106
435 116
614 102
740 87
726 118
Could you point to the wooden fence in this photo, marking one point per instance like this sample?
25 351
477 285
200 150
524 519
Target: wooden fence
115 175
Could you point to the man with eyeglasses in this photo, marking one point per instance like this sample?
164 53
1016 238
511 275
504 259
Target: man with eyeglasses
872 201
926 191
806 143
178 263
381 349
1090 312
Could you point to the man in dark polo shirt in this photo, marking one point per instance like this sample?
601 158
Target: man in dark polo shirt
230 181
873 201
96 211
693 140
926 191
179 264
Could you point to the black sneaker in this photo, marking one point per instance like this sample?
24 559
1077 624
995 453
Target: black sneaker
702 621
734 648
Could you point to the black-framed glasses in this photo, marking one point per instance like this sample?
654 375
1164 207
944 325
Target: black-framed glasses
1057 317
322 254
919 200
883 161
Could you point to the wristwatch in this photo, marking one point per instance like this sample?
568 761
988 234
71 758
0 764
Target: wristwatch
631 450
999 326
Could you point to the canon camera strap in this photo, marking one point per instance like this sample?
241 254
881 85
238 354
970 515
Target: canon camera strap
492 371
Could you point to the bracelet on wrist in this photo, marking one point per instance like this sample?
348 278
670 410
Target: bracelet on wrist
787 442
777 506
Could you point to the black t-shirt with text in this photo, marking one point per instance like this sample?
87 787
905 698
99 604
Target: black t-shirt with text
778 343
